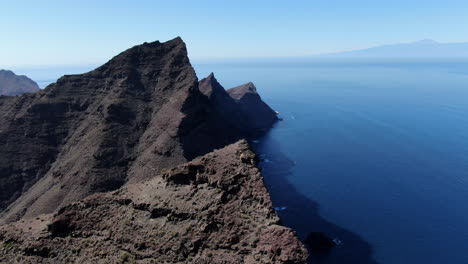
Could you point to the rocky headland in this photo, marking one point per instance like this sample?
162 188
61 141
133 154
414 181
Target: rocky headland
138 161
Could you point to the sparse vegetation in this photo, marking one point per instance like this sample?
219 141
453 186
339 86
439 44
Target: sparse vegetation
127 258
76 250
7 244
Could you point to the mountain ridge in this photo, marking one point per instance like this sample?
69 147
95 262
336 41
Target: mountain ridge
12 84
124 121
134 147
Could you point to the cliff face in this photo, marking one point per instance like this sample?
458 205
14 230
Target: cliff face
92 132
259 116
12 84
214 209
241 107
123 122
127 127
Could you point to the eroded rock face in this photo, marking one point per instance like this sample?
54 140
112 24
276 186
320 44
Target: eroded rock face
12 84
118 136
122 122
95 131
214 209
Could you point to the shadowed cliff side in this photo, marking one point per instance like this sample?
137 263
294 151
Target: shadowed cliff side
261 116
221 119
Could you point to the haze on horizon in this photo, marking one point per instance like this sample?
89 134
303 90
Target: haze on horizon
89 32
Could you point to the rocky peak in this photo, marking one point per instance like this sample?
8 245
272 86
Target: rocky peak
241 91
139 113
85 132
240 106
109 166
210 87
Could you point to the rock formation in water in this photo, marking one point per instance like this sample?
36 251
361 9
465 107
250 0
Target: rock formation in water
214 209
122 127
12 84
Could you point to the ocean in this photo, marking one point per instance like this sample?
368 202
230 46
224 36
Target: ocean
373 153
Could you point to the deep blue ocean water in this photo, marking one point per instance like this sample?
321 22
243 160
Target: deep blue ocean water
375 154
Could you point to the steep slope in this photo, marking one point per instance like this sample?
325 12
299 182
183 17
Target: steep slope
258 115
214 209
241 107
123 122
92 132
12 84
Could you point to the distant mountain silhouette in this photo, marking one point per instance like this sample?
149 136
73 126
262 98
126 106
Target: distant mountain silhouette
426 48
12 84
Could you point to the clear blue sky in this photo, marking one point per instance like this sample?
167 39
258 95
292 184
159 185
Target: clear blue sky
89 32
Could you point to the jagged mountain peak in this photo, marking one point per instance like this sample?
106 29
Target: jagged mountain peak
141 112
240 91
118 151
90 128
210 87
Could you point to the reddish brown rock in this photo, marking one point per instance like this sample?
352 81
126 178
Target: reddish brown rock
214 209
94 169
122 122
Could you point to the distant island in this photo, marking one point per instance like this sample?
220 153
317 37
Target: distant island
426 48
12 84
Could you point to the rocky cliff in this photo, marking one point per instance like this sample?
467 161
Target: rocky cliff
12 84
241 107
214 209
137 114
121 127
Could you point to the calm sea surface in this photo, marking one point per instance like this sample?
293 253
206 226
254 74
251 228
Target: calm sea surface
375 154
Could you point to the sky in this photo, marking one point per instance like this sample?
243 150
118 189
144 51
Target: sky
82 32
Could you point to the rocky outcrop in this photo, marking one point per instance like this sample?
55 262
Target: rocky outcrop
214 209
259 115
241 106
111 166
139 113
12 84
93 132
